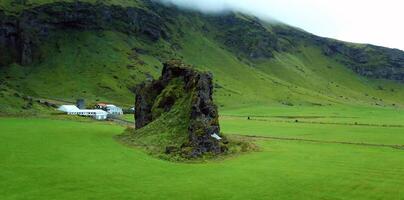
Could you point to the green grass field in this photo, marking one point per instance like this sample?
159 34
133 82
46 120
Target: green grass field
62 159
328 123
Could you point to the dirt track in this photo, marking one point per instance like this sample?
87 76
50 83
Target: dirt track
395 146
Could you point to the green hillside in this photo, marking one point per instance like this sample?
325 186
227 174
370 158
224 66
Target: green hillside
270 64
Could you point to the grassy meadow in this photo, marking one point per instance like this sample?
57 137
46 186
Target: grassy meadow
65 159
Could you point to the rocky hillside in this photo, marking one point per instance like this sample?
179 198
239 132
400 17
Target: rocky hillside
25 33
113 45
246 36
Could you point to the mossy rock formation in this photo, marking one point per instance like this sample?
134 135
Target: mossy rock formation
180 104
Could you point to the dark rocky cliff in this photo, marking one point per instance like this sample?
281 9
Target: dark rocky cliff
10 47
247 38
368 60
152 100
21 35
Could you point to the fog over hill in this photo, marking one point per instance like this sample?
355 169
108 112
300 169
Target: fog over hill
344 20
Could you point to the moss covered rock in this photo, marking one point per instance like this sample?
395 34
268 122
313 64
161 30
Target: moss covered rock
182 88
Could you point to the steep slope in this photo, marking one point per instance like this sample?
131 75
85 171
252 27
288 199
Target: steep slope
99 50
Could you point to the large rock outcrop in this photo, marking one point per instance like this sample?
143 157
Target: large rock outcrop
152 99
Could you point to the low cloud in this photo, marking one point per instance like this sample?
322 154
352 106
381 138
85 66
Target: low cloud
209 6
377 22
